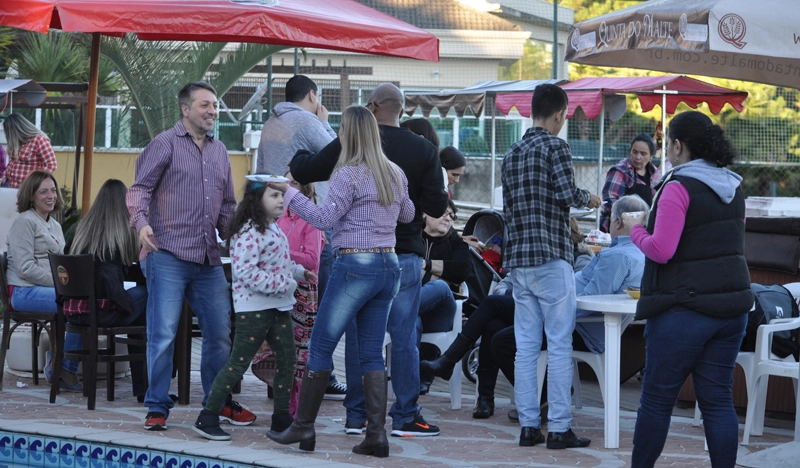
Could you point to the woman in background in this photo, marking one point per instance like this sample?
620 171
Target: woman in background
106 234
29 150
634 175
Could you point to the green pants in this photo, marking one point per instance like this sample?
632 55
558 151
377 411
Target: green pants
251 328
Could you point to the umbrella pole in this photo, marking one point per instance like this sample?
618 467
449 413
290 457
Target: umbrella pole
91 113
663 127
600 158
491 184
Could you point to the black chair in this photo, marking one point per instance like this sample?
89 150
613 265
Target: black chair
73 276
37 321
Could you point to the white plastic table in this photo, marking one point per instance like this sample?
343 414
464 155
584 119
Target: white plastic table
613 307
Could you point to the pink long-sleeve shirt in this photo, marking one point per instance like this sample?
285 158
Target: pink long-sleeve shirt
660 247
305 241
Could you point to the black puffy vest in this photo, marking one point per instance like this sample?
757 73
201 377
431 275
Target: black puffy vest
708 272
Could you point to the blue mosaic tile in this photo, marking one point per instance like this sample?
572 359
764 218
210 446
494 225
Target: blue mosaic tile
67 447
83 449
112 454
20 456
142 458
20 441
127 455
36 444
66 461
187 462
6 455
216 464
171 460
157 459
83 462
97 463
202 463
51 445
36 458
97 452
6 439
51 460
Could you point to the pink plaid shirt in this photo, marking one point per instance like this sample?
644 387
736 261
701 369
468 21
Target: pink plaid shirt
35 155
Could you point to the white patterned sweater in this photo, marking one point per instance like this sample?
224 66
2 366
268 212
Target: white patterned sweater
264 275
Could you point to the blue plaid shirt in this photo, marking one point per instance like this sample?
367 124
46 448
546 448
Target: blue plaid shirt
538 190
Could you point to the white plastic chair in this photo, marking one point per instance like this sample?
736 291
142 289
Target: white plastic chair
765 366
443 340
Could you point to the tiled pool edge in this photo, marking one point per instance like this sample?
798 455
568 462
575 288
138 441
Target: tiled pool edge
124 449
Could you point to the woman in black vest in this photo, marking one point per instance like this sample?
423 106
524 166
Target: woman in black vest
695 289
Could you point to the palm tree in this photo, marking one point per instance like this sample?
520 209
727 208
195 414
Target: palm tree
154 72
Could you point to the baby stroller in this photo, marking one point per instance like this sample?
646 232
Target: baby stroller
490 228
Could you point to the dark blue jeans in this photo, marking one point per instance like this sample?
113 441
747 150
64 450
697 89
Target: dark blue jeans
681 342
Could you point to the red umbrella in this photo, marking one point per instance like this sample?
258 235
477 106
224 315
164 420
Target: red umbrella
329 24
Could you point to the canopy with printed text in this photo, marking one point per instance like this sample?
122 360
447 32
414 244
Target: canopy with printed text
736 39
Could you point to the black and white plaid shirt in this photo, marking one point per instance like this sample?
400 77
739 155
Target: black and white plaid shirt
538 189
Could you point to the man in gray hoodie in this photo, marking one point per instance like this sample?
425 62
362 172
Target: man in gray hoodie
300 123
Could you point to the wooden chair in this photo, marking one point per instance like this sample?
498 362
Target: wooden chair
38 322
73 276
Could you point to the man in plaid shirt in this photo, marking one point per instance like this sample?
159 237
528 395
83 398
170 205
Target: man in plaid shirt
538 190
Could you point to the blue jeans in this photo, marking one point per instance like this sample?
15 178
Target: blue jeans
680 342
170 281
361 288
544 298
437 307
43 299
325 264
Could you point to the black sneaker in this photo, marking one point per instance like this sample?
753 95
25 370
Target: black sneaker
207 425
563 440
417 427
351 427
335 391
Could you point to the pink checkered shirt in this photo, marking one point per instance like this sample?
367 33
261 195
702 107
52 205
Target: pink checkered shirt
35 155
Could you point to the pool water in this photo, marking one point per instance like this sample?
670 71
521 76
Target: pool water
24 450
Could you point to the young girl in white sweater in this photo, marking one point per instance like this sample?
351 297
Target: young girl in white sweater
264 280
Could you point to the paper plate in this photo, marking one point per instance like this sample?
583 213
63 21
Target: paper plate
265 178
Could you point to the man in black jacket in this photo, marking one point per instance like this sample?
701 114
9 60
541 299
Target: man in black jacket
420 161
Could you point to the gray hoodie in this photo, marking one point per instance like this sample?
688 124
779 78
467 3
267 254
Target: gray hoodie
290 129
719 179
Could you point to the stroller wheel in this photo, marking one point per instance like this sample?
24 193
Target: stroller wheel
469 364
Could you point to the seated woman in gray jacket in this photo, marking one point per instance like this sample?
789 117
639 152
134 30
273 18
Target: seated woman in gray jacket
34 234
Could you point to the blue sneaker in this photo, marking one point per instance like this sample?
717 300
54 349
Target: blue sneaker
48 369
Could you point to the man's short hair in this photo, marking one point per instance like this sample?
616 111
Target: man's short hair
298 86
628 204
547 100
185 94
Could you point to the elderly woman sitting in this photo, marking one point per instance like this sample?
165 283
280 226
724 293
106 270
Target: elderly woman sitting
446 266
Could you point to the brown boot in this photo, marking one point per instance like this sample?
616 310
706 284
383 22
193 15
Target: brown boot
302 429
375 443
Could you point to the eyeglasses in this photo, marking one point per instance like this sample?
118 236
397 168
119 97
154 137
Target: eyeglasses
451 215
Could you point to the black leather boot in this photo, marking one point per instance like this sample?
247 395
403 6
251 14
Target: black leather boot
443 367
375 389
302 429
483 408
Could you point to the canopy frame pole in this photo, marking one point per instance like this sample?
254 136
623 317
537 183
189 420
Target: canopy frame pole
600 177
492 182
663 92
91 113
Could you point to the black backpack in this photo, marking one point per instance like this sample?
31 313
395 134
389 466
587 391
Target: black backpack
772 302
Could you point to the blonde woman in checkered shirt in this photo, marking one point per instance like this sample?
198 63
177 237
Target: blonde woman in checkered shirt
29 150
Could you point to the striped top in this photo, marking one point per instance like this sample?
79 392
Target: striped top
183 193
353 211
36 154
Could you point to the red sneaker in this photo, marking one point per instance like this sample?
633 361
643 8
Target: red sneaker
233 413
155 422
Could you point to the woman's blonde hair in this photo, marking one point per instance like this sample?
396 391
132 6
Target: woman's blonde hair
361 145
18 131
105 231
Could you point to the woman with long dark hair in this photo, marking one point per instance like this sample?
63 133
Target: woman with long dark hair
106 234
695 289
